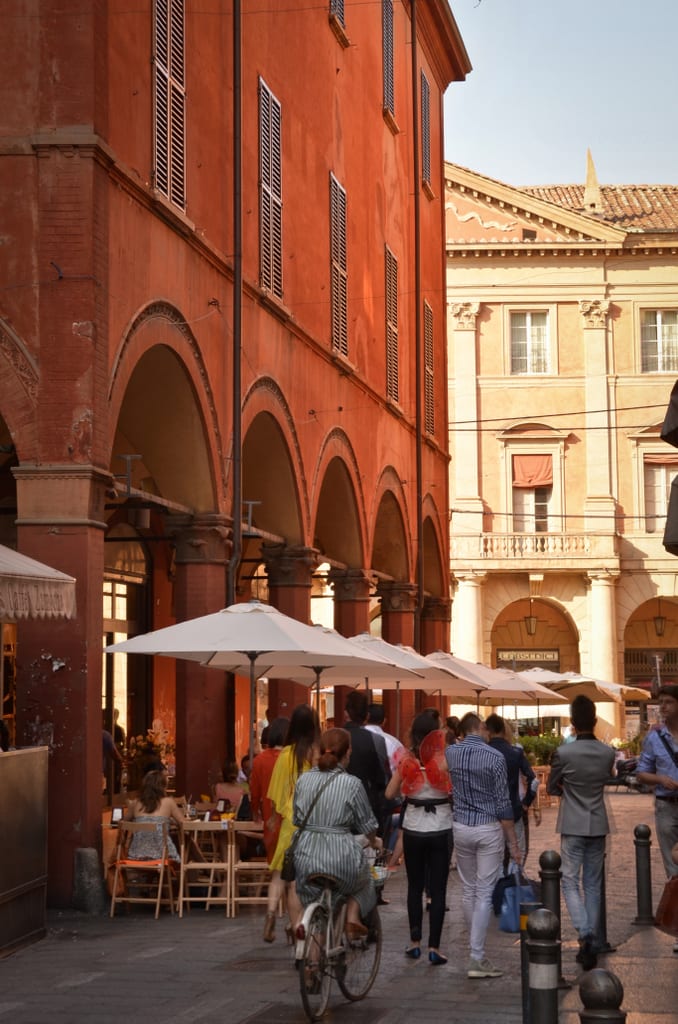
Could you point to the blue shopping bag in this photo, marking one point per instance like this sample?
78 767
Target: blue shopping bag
522 891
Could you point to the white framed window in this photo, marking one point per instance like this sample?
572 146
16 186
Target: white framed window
169 101
532 474
659 341
270 191
391 290
425 130
387 56
429 379
338 271
658 476
531 507
529 341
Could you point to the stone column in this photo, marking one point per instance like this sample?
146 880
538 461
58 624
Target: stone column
603 636
58 688
599 505
398 606
352 588
289 569
467 616
199 588
435 624
463 388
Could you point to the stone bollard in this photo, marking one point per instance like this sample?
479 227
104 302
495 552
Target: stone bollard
525 911
550 875
601 993
89 890
643 842
543 950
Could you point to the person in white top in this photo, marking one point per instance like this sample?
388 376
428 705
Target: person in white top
375 723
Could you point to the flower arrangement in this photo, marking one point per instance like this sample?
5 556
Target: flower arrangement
156 743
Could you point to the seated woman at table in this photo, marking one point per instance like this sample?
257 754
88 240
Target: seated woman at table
153 805
331 843
230 790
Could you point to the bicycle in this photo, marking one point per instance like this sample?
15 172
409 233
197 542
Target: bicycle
324 951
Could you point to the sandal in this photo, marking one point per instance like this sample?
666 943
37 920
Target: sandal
269 927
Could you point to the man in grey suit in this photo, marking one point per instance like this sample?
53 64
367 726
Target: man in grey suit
578 774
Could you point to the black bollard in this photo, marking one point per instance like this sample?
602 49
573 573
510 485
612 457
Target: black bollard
602 945
525 911
550 875
543 950
643 842
601 993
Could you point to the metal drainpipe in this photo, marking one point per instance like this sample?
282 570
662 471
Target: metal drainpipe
236 448
236 452
417 332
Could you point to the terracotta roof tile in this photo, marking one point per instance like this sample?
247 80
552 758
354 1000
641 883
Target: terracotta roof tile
639 208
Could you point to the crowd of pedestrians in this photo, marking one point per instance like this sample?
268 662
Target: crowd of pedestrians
457 796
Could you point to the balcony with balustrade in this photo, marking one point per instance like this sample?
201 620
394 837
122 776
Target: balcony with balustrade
527 552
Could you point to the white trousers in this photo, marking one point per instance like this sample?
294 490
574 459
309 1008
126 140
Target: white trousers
480 854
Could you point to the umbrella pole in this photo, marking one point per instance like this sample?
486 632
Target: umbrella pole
253 704
398 708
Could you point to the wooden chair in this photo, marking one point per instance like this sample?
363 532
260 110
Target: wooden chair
141 881
250 877
206 864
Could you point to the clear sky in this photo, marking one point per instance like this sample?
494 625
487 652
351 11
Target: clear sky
552 78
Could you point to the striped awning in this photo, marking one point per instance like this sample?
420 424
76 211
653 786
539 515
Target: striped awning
32 590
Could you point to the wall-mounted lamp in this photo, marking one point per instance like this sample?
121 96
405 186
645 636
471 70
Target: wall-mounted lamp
659 620
530 622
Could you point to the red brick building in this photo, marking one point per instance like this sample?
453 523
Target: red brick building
216 290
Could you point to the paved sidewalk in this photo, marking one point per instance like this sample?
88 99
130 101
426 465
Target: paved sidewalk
208 969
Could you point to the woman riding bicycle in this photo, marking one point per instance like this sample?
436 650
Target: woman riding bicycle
331 843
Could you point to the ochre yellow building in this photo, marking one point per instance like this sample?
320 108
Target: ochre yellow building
563 349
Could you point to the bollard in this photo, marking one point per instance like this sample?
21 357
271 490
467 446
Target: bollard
602 945
601 993
550 875
643 842
543 948
525 911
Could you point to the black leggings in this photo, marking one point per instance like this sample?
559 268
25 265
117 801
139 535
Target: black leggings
427 862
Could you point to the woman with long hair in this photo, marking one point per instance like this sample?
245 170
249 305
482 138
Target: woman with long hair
331 841
422 778
299 753
153 805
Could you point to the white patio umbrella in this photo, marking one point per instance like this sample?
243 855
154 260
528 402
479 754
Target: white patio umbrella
429 676
258 639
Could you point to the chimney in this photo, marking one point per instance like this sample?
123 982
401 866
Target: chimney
593 202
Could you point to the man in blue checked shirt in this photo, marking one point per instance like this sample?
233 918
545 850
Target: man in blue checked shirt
482 823
658 767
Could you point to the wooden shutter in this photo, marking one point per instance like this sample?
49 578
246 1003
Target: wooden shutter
339 276
425 130
270 189
169 115
391 325
337 9
387 59
429 380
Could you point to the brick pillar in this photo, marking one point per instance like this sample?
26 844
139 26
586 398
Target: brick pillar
351 616
289 570
398 605
59 661
435 624
199 589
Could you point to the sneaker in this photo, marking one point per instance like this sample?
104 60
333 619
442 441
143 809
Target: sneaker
482 969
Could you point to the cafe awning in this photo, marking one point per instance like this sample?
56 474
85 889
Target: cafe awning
32 590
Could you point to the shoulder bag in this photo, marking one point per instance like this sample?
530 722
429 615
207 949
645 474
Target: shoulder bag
288 871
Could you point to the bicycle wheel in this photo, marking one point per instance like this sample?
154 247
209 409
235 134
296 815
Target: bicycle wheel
360 961
314 976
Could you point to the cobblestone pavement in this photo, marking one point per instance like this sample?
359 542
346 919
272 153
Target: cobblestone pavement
208 969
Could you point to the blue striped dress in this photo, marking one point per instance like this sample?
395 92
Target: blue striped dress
327 845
